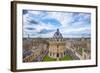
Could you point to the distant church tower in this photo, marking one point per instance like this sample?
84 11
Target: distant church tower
57 46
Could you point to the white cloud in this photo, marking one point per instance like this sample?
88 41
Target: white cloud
64 18
34 12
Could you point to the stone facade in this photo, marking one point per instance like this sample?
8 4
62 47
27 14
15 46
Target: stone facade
56 48
39 48
57 45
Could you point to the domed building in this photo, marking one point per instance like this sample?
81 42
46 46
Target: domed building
57 47
57 35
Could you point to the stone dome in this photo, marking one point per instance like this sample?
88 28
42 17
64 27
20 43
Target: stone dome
57 34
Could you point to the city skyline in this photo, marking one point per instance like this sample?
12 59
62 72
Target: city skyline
44 23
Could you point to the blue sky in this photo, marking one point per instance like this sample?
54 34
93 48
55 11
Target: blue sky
44 23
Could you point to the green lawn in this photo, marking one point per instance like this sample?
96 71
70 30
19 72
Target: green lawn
47 58
66 58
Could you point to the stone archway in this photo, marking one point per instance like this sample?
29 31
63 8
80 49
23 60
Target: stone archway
57 55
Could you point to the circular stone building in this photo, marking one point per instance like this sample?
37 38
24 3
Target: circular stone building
57 47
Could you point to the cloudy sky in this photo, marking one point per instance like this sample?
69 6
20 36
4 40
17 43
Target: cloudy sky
45 23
